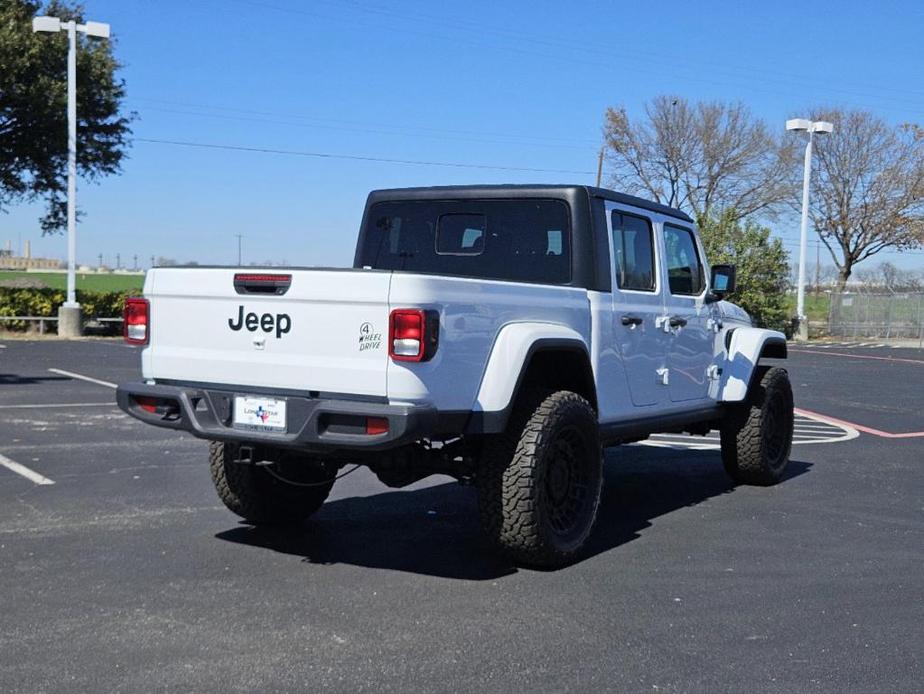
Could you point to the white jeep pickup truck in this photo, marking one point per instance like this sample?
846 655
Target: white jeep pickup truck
502 335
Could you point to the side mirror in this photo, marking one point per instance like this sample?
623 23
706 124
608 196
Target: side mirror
723 280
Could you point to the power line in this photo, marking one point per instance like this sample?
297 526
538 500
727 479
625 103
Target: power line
746 71
356 157
366 130
745 80
415 129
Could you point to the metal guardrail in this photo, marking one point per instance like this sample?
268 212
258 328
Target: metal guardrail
41 320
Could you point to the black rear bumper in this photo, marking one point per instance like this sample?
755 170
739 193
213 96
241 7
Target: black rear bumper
313 423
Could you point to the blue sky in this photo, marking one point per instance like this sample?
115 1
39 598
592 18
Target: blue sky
505 84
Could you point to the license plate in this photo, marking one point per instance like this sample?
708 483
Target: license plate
259 414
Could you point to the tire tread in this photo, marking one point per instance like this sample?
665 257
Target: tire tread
742 442
508 477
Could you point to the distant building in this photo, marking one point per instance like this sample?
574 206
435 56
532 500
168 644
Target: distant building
8 261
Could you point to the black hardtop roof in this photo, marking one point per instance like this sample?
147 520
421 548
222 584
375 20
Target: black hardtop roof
507 190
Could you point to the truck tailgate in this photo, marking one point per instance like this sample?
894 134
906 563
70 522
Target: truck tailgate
327 332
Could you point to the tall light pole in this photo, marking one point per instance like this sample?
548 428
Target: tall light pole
811 127
69 322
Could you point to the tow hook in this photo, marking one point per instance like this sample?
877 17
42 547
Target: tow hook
244 455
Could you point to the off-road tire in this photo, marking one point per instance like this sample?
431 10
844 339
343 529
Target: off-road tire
757 434
539 482
254 494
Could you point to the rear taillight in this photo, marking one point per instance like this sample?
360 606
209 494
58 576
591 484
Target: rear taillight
413 334
136 327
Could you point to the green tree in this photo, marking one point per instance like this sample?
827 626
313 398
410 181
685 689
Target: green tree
33 109
762 266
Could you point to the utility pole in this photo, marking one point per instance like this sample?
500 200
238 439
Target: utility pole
118 261
152 261
135 262
240 256
100 264
600 167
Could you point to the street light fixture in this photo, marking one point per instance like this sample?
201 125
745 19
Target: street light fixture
811 127
69 324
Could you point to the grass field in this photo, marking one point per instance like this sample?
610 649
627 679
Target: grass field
89 282
816 307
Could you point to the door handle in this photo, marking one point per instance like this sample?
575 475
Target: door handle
628 319
677 322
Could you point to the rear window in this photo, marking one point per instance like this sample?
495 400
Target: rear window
525 240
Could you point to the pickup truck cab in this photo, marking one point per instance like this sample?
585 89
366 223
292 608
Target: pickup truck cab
502 335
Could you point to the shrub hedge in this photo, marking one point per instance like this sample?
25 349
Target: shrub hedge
45 302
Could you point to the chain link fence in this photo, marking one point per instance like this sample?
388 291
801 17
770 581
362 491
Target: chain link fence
893 316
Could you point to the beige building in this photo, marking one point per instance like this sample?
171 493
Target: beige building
8 261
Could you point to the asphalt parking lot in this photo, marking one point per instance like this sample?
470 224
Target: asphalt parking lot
121 571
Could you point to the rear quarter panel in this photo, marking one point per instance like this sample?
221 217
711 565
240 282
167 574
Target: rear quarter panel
473 313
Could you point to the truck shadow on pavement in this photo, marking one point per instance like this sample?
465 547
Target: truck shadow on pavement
434 530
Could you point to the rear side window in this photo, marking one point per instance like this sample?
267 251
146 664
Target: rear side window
525 240
684 269
633 252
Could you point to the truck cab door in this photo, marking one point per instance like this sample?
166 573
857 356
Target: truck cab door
638 305
689 318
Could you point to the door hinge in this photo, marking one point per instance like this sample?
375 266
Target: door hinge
714 325
663 376
713 372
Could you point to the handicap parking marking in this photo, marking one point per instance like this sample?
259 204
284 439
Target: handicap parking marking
834 422
81 377
22 470
808 427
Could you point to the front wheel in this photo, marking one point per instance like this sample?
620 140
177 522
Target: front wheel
539 483
286 491
757 434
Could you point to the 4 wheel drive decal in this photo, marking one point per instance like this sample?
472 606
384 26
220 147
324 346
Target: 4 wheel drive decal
281 323
368 338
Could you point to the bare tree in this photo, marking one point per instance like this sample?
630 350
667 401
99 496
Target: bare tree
703 158
890 278
867 187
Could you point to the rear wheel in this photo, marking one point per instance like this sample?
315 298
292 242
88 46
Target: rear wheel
288 491
539 483
757 434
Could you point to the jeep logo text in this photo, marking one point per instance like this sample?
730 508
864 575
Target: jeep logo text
281 322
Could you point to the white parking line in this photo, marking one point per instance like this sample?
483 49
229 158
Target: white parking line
56 405
19 469
81 377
